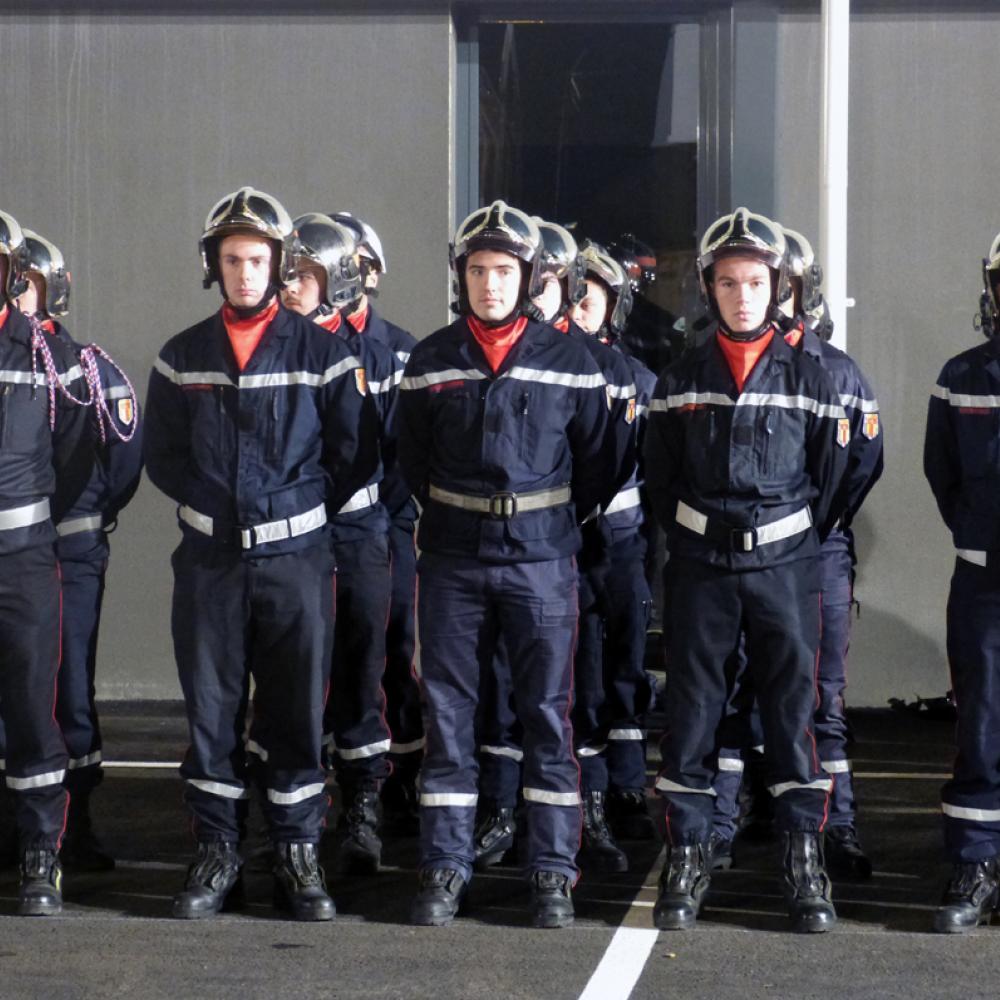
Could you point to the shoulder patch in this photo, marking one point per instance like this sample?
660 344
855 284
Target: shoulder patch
361 381
843 432
630 411
870 426
126 412
609 397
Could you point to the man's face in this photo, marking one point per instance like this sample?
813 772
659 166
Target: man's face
551 298
304 293
493 281
245 266
589 312
32 299
742 290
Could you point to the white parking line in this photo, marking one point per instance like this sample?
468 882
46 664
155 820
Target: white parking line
625 958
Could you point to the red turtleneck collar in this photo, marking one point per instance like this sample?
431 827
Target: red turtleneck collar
496 341
331 321
562 323
742 355
245 334
359 318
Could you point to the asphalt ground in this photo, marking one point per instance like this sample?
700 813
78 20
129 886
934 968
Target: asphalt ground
116 937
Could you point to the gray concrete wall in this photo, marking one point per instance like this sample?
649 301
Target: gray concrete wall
118 135
922 213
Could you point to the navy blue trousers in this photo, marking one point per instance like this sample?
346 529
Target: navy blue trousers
970 801
355 708
33 746
778 610
465 608
271 618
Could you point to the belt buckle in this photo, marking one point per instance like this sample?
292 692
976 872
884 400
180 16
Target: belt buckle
503 506
743 539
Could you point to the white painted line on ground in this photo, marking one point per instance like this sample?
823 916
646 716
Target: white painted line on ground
625 958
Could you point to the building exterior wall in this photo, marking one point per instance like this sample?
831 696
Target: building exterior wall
120 132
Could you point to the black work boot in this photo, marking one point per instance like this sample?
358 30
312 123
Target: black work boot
971 895
720 852
439 897
213 882
598 850
494 836
400 805
628 814
683 883
806 885
10 848
359 849
845 858
40 894
81 850
551 900
299 887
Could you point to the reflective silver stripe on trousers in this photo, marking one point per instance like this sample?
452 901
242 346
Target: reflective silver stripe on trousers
448 798
962 812
733 764
367 496
625 734
836 766
78 525
972 555
217 788
36 780
360 753
258 534
77 762
291 798
784 527
22 517
256 749
625 500
407 747
591 751
484 505
665 785
510 752
546 798
819 785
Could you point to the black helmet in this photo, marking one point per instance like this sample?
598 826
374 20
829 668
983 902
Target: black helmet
638 260
560 256
744 234
331 246
246 211
800 264
11 246
508 230
41 257
601 266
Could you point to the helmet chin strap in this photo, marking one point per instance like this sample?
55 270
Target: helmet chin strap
248 312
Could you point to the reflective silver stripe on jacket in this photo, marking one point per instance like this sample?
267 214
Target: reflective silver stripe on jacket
23 517
784 527
78 525
686 399
377 388
594 381
979 558
437 378
859 403
625 500
966 399
367 496
258 534
538 500
268 380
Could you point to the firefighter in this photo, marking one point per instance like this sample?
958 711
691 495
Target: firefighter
46 465
962 465
259 425
562 271
746 446
327 285
610 708
503 440
115 446
809 329
399 790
